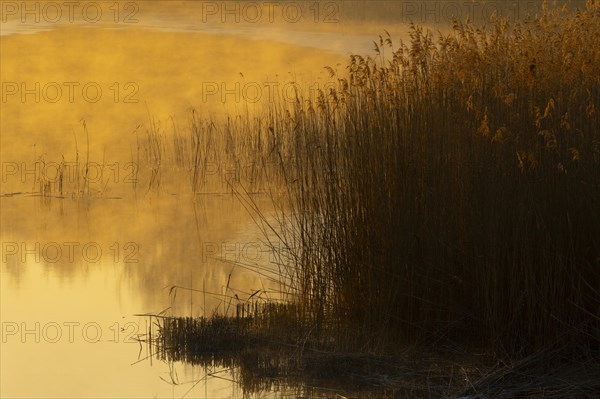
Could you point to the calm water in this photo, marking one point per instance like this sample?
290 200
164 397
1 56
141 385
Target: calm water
76 272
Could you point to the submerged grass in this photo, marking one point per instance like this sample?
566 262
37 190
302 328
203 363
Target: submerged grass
268 348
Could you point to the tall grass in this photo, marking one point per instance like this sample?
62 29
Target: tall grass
451 190
447 191
445 194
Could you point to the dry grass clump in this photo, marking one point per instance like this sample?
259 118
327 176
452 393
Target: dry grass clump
268 350
270 344
285 357
551 373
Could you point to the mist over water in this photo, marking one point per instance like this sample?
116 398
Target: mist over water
75 270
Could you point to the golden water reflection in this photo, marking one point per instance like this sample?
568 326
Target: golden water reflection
76 270
62 300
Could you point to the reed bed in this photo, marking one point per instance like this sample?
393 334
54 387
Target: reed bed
445 195
449 190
